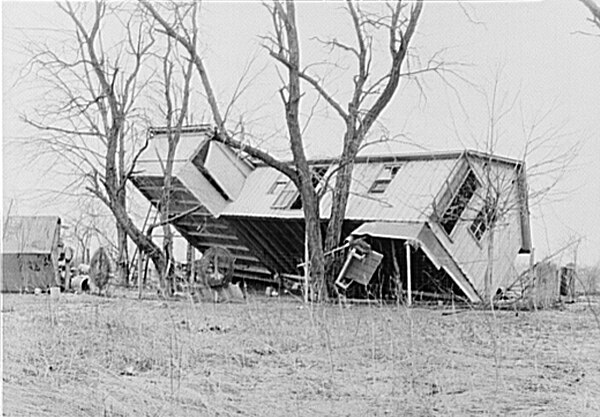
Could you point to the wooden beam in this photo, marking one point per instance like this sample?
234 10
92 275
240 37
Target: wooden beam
264 235
408 275
213 236
159 188
295 237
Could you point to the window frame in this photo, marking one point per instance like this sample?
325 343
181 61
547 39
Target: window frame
381 183
282 181
286 196
450 220
480 224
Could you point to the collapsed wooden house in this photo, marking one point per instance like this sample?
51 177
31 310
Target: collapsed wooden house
30 253
428 214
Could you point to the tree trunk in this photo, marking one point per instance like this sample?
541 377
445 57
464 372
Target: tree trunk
116 200
341 193
339 204
143 242
123 259
303 181
123 256
489 273
315 240
165 214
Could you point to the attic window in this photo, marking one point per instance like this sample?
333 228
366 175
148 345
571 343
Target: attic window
286 192
279 185
484 219
384 179
459 202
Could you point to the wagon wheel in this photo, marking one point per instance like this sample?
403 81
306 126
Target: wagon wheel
216 267
100 269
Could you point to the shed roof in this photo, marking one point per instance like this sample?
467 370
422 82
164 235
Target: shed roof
30 234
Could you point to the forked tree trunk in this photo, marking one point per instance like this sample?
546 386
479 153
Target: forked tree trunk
339 204
341 193
142 241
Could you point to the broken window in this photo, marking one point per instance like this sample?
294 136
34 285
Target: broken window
318 175
483 221
459 202
318 182
384 179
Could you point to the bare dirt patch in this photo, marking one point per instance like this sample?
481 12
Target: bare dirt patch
87 355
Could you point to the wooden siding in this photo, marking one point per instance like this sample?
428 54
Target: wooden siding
25 272
203 230
470 254
278 244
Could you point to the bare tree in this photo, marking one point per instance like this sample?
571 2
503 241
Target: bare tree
368 100
594 8
175 117
92 116
89 225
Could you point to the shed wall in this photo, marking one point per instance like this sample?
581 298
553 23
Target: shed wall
25 272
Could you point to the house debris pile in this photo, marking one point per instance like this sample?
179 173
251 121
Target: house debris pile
544 285
427 218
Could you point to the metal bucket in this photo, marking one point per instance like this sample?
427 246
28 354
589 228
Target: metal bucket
54 293
80 283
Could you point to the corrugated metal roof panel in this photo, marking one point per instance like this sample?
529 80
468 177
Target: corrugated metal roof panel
407 197
254 199
25 234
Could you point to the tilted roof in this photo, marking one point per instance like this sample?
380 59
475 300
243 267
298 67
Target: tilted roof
408 196
30 234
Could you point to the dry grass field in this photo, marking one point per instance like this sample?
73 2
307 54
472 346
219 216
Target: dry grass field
85 355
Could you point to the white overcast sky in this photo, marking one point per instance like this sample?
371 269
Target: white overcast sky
545 63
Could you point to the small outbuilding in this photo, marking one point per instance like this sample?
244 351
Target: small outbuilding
30 251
